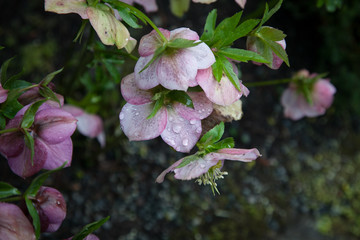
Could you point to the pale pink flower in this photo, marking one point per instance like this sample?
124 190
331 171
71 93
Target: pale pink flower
89 125
175 69
149 5
51 207
222 93
51 132
13 223
296 105
178 125
109 29
201 165
3 94
256 45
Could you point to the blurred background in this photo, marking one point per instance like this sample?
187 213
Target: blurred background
305 185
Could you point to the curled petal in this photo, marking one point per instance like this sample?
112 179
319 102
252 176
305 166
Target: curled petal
54 125
137 127
90 125
132 94
13 223
146 79
202 107
150 42
56 154
180 133
67 6
203 54
185 33
177 70
236 154
323 93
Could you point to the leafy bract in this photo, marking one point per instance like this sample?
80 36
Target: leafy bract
34 215
212 136
242 55
7 190
90 228
181 97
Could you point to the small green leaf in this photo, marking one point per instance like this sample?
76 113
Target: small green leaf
212 136
188 160
217 69
157 54
50 77
34 215
29 115
47 93
209 28
178 43
225 143
222 31
39 180
181 97
3 71
158 104
90 228
229 71
128 17
278 50
112 69
268 14
17 84
11 106
272 34
242 55
29 142
179 7
242 30
13 81
81 31
6 190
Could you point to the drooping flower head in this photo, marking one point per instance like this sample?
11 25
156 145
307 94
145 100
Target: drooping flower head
51 208
178 125
308 95
176 67
13 223
51 131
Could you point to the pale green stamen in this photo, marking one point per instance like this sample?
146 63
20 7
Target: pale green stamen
211 176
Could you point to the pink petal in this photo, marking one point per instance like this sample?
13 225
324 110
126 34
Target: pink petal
21 164
160 178
241 3
90 125
67 6
75 111
13 223
54 125
202 107
149 5
180 133
244 155
3 94
177 70
203 54
132 94
146 79
222 93
194 169
185 33
324 93
277 61
12 143
57 154
150 42
136 126
101 139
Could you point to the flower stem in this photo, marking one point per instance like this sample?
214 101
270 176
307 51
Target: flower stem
268 83
11 199
8 130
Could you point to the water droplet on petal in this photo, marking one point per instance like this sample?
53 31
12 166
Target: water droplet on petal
58 202
121 116
185 142
177 128
136 114
202 165
192 121
198 130
170 119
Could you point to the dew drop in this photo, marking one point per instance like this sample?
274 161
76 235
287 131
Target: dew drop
58 202
198 130
136 114
202 165
176 128
192 121
121 116
185 142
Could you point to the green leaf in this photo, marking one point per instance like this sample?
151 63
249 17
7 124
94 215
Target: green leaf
90 228
212 136
272 34
278 50
229 71
128 17
157 54
112 69
158 104
217 69
3 71
50 77
34 215
225 143
209 28
222 31
29 142
10 83
268 14
188 160
1 47
11 106
17 84
179 43
39 180
242 55
6 190
179 7
47 93
181 97
29 116
242 30
2 121
80 33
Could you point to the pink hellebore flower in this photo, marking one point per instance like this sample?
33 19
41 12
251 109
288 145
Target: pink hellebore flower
175 69
89 125
203 164
51 132
110 30
51 208
149 5
221 93
296 105
178 125
3 94
13 223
